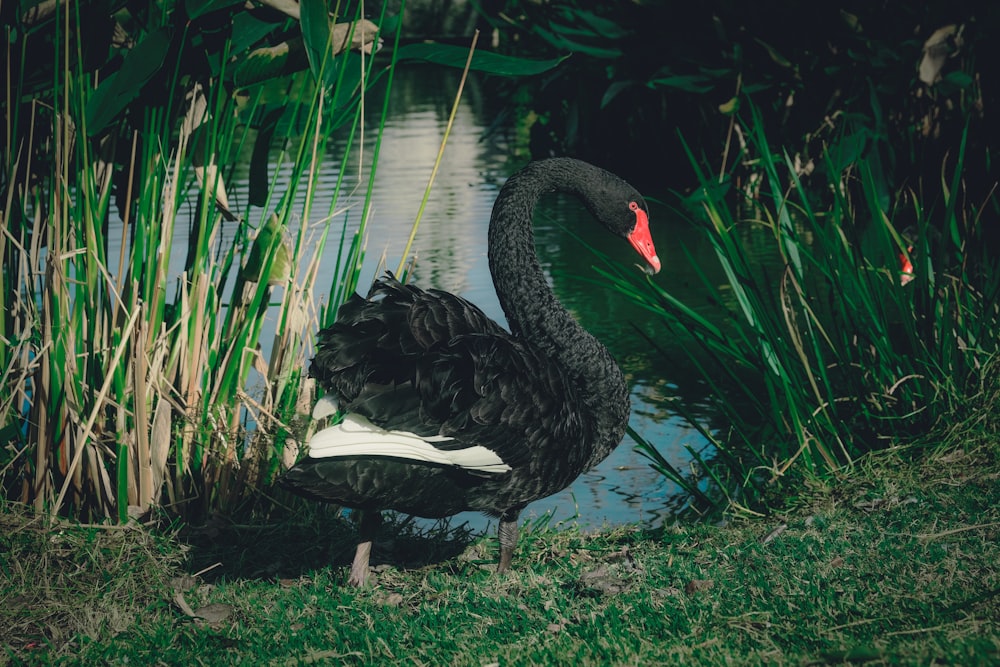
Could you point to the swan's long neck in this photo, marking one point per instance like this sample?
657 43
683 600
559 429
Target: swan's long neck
533 312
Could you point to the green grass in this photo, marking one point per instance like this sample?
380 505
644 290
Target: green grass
897 562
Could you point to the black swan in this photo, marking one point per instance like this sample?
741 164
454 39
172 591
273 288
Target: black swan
443 410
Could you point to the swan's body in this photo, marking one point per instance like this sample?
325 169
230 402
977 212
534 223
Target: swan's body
445 411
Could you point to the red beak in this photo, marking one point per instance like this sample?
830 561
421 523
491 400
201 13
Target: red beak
643 243
905 267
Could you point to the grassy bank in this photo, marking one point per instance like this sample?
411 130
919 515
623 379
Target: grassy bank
896 562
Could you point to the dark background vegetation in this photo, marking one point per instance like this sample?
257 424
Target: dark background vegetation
824 75
642 74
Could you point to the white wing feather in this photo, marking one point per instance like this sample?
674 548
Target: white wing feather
325 407
356 436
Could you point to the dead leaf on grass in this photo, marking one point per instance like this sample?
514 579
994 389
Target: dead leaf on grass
778 530
698 585
602 581
625 557
183 583
556 628
883 503
182 604
215 613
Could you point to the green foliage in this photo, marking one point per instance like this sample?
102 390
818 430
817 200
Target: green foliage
834 352
127 382
895 83
121 88
482 61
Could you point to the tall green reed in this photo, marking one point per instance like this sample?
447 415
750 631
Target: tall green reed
124 384
827 354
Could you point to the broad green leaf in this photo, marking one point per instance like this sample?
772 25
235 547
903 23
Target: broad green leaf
315 22
848 148
259 182
613 90
196 8
773 54
390 24
602 26
118 90
573 31
349 82
10 433
566 44
692 83
269 63
482 61
269 253
955 81
248 30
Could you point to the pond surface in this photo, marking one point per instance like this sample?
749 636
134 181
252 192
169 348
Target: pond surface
450 249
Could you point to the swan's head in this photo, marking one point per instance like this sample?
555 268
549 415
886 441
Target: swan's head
621 209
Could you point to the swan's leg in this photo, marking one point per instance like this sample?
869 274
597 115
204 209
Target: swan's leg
369 524
507 532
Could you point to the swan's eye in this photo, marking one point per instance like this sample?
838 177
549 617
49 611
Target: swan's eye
632 206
